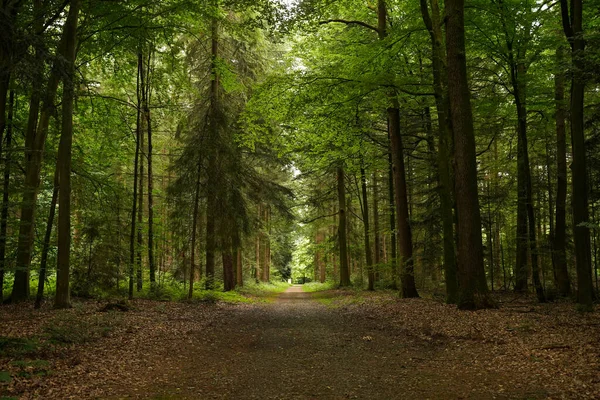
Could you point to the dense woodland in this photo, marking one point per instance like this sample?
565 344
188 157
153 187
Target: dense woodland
439 149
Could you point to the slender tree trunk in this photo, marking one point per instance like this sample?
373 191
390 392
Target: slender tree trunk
472 293
212 182
237 243
342 229
574 32
376 237
563 282
62 298
146 104
5 194
369 257
268 245
407 276
319 264
194 231
47 237
228 273
140 209
523 175
257 252
392 208
4 88
138 133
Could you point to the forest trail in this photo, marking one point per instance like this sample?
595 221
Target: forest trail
299 348
336 344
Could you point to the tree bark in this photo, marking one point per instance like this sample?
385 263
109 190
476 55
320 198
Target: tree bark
62 298
433 24
228 272
563 281
194 231
47 236
5 194
472 293
237 245
376 237
138 133
140 208
408 287
368 254
212 181
574 32
145 102
342 233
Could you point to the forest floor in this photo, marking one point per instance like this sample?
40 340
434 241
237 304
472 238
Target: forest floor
326 345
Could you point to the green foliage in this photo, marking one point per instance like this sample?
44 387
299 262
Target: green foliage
18 347
5 377
28 369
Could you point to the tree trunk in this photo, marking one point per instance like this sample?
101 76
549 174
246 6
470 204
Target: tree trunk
563 282
368 254
239 275
574 32
433 24
194 231
62 298
376 237
140 210
47 236
212 180
145 103
228 273
5 194
392 210
406 261
472 293
138 133
319 267
268 244
342 233
257 253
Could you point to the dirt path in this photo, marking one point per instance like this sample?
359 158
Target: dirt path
297 348
369 346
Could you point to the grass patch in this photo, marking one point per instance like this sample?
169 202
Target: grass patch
312 287
263 291
5 377
29 369
18 347
74 328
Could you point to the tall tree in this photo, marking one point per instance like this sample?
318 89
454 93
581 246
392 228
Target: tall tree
572 20
559 253
342 228
62 299
473 291
433 24
35 141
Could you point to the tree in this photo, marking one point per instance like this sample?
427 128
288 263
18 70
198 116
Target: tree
62 299
472 292
572 19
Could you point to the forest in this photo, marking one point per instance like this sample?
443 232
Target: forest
193 184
